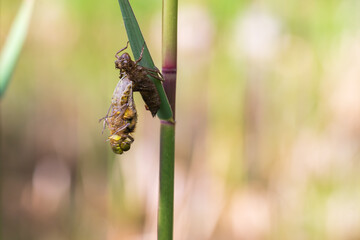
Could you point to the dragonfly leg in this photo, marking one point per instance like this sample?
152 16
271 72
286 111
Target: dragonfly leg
107 114
141 54
117 53
122 128
154 73
104 118
160 78
122 111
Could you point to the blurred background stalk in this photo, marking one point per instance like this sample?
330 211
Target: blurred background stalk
9 57
13 45
167 132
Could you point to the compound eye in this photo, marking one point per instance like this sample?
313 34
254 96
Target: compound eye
125 146
114 142
117 149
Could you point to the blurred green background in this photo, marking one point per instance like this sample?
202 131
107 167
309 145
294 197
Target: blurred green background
268 123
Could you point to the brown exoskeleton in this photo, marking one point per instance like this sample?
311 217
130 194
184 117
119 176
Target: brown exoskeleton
139 75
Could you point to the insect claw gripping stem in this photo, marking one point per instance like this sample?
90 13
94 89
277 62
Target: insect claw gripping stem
155 73
141 55
159 72
156 76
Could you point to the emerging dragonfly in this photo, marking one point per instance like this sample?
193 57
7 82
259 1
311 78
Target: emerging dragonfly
121 117
139 75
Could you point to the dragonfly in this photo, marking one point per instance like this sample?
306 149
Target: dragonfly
121 117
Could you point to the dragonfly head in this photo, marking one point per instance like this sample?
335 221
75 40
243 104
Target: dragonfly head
119 144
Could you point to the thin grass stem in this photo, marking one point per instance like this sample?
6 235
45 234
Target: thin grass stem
14 43
167 133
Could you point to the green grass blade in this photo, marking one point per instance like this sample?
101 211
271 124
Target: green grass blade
137 42
13 45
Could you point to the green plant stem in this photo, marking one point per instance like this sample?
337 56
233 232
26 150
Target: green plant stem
13 45
166 189
169 50
169 33
167 133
